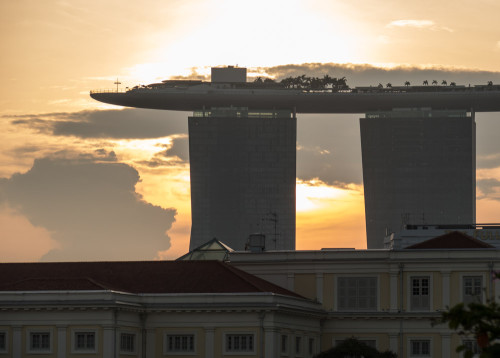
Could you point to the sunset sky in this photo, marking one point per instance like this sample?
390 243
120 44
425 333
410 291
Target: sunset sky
80 180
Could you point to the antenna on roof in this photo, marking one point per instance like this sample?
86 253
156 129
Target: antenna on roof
117 83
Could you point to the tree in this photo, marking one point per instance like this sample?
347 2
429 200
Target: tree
407 83
389 85
352 348
444 83
426 83
434 82
479 321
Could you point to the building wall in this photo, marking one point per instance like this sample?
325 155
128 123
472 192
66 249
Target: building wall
243 180
209 321
316 275
418 168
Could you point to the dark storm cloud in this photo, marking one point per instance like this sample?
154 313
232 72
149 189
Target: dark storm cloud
91 209
365 75
119 124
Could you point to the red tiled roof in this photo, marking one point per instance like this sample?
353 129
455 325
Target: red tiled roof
134 277
452 240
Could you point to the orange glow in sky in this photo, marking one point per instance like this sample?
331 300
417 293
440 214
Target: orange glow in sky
54 52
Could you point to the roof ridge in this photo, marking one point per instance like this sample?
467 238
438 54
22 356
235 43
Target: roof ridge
238 272
438 239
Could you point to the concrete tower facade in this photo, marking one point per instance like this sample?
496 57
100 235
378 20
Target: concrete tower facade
418 168
243 170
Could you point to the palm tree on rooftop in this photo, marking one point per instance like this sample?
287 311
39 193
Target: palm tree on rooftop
326 80
426 83
389 85
342 82
434 82
444 83
407 83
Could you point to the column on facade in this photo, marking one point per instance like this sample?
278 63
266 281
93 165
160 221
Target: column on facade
291 281
150 342
393 288
209 342
61 341
16 341
319 287
445 345
496 292
108 344
446 288
271 342
393 342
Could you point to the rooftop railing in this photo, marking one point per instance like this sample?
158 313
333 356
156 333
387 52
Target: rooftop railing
108 91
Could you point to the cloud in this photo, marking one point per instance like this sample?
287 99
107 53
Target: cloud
178 149
329 148
90 208
21 241
123 124
490 188
366 74
419 24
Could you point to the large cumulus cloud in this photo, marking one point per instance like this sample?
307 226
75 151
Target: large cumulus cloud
91 209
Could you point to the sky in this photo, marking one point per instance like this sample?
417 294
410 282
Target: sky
82 180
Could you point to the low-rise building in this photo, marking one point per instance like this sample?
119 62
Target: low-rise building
148 309
267 304
387 298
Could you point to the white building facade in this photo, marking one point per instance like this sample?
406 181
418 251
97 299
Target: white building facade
387 299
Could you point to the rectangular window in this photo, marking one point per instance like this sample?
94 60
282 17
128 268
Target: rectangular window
471 346
311 346
357 294
420 348
180 343
284 343
298 345
239 342
84 341
420 293
3 342
127 342
472 289
39 341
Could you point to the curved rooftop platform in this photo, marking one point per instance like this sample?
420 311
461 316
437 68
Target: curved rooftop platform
197 96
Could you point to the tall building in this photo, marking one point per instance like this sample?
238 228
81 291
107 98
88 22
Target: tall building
418 168
418 164
243 176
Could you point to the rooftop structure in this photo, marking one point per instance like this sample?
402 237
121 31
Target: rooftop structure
196 95
413 235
